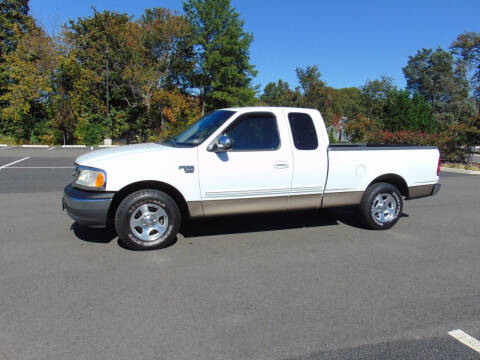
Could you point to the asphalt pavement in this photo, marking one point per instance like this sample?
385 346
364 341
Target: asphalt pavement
303 285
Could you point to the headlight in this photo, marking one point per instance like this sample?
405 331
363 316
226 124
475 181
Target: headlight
90 178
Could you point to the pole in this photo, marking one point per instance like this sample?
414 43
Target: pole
433 107
108 99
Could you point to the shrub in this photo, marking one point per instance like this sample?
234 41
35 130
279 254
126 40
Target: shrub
93 135
9 140
452 142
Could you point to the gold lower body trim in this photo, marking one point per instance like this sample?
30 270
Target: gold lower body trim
342 198
420 191
276 203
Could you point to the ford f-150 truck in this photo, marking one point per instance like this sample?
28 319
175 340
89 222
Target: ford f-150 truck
243 160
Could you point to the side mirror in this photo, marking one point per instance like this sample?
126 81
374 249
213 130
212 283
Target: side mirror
224 143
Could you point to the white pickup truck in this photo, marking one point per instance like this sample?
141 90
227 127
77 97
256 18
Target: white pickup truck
243 160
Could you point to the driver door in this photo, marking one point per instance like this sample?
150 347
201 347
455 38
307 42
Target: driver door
255 175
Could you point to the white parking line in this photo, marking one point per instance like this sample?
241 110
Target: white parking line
466 339
14 162
40 167
53 147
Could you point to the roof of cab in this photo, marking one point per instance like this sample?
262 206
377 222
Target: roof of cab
266 108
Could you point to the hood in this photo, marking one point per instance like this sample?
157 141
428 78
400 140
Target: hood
99 158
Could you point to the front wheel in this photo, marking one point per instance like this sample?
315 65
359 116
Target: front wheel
147 219
381 206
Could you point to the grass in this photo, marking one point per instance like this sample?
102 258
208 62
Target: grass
461 166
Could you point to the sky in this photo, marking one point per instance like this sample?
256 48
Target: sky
350 41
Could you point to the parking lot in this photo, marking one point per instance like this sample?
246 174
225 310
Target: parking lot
305 285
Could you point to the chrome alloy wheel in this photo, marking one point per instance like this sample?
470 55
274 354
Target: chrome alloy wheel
149 222
384 208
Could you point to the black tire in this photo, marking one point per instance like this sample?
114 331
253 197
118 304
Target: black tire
154 209
381 206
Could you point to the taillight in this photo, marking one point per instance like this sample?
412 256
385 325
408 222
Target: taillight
439 164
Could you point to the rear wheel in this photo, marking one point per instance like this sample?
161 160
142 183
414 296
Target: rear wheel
381 206
147 219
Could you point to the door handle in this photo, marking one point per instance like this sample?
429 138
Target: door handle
280 165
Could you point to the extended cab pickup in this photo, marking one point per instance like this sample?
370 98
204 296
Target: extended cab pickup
244 160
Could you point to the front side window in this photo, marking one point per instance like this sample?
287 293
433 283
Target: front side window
202 129
303 131
254 132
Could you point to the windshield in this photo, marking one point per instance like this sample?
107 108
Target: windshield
202 129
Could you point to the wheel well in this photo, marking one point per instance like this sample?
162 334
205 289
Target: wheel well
395 180
141 185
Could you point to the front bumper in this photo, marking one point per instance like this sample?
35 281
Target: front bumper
88 208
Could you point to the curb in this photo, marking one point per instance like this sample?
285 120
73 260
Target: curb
74 146
3 145
107 146
35 146
459 171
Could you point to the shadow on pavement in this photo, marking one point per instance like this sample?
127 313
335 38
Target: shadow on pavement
100 235
222 225
93 235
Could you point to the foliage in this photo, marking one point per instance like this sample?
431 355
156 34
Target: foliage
14 23
140 56
222 72
402 111
178 112
14 20
453 142
360 128
93 134
280 94
443 85
108 74
7 140
467 50
29 90
311 87
374 96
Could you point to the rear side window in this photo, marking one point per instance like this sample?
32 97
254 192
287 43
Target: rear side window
254 132
303 131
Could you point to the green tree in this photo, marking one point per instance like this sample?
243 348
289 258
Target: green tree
143 64
14 23
280 94
73 101
95 42
311 86
403 111
222 71
467 50
433 75
374 97
348 102
30 88
148 50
